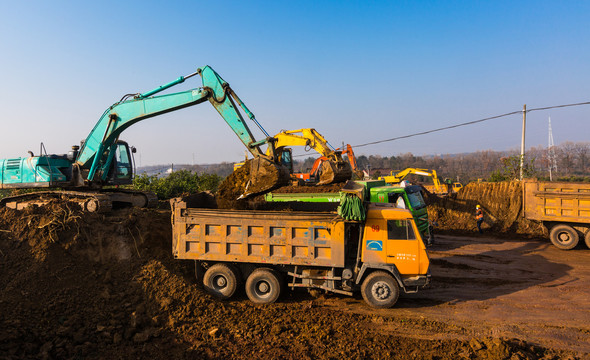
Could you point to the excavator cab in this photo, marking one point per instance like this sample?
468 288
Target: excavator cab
121 169
123 163
286 159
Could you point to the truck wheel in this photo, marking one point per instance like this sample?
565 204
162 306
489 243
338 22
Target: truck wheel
380 290
564 237
587 239
263 286
221 281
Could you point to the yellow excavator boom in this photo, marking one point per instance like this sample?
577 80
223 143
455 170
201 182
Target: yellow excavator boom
333 170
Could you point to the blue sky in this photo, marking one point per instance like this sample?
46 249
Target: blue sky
356 71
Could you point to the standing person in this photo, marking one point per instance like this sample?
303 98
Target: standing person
479 217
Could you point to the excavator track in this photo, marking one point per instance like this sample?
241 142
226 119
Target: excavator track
95 201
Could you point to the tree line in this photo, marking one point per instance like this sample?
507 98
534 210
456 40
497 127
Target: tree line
571 160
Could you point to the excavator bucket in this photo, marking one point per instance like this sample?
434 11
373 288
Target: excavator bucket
257 176
334 172
265 176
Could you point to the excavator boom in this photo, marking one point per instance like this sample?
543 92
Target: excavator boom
105 160
437 187
95 157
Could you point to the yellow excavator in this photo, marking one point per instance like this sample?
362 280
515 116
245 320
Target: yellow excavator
332 170
436 188
330 166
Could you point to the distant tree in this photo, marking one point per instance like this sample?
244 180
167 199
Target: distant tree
510 169
582 150
362 162
566 156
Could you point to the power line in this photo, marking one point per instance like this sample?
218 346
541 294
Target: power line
468 123
462 124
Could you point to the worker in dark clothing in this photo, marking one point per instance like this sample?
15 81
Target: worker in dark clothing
479 217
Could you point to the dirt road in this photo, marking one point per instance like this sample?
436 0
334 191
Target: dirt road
485 286
92 286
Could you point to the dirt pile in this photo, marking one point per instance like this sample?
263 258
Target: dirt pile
83 285
501 203
233 186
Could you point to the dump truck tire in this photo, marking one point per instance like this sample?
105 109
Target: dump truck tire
221 281
564 237
263 286
587 239
380 290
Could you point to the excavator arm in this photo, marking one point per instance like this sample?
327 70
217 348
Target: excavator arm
334 169
97 152
351 160
400 176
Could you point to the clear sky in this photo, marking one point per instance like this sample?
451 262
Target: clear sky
357 71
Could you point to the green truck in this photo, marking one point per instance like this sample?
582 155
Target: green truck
374 191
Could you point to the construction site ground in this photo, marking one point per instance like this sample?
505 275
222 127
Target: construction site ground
92 286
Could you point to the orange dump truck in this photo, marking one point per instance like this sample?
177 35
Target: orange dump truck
562 207
269 251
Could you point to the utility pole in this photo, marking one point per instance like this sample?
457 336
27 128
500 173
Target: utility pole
522 142
551 153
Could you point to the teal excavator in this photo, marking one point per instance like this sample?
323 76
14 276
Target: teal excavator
86 174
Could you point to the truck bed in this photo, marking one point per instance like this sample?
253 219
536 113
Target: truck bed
254 236
556 201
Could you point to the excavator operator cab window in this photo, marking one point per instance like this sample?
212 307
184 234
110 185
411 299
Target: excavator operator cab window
123 163
286 159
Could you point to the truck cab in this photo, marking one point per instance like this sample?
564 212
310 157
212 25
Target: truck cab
391 238
408 197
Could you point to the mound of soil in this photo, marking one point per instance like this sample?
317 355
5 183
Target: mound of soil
101 286
501 203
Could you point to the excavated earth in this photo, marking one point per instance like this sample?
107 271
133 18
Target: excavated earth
105 286
500 201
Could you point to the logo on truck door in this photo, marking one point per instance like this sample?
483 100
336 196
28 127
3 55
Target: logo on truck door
376 245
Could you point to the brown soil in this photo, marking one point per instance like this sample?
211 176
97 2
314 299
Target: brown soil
93 286
247 183
501 203
233 186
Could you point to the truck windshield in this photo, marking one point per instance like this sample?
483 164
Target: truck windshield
416 199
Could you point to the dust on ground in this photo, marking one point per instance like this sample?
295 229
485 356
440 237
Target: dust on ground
83 285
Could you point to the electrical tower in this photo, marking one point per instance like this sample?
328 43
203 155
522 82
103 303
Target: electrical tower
551 153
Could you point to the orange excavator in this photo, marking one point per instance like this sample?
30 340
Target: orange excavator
312 175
